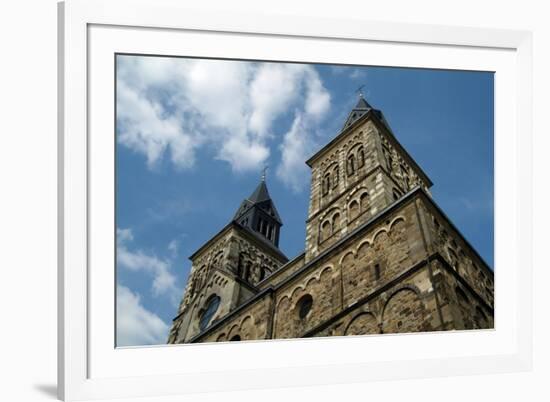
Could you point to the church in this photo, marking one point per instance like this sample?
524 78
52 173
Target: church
380 255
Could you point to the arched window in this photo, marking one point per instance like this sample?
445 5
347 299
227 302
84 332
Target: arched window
361 157
351 164
377 271
247 270
235 338
262 273
325 230
326 184
240 265
209 311
304 306
364 201
335 222
270 232
336 178
353 210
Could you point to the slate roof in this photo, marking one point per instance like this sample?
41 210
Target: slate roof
260 197
359 110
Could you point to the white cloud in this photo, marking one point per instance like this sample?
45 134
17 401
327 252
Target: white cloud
173 247
273 90
318 99
164 282
358 74
169 107
297 145
135 325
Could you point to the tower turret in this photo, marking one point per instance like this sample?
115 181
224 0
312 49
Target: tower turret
258 214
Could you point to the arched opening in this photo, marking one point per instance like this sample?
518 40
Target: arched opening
325 230
335 222
304 306
351 165
235 338
240 265
363 324
209 310
364 201
247 270
361 157
336 178
404 312
262 273
377 272
353 210
326 184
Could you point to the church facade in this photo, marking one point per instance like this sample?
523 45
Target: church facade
380 255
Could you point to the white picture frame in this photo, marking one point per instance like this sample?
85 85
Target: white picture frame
89 365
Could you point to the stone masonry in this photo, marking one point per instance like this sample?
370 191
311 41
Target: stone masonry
380 255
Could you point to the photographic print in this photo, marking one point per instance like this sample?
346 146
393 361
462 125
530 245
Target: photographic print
260 200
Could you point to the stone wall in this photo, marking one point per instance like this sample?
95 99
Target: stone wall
461 306
406 306
358 268
228 268
252 323
401 172
219 284
390 276
282 273
463 259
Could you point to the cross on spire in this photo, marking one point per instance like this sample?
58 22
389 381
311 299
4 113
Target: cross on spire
264 170
359 90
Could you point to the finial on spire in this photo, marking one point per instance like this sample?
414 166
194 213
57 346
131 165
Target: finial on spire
360 90
264 170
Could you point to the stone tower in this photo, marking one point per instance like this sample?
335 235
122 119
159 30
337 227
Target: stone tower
380 255
226 268
358 174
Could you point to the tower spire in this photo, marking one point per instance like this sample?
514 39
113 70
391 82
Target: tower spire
360 109
257 212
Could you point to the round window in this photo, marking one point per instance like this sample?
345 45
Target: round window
209 311
304 305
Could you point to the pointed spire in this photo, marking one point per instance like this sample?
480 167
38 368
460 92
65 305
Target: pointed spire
260 197
360 109
258 214
260 194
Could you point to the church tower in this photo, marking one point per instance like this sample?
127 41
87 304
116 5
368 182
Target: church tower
355 176
380 255
227 268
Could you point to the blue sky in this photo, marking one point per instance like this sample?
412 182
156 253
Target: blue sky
193 136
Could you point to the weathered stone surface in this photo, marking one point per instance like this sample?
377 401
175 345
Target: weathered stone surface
380 257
